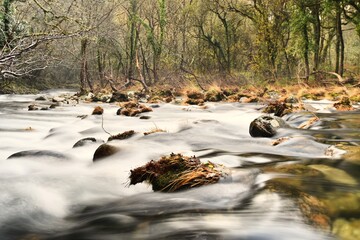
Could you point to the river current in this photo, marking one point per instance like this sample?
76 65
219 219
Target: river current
64 195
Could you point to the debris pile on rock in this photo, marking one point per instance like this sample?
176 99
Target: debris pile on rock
122 136
195 97
132 109
177 172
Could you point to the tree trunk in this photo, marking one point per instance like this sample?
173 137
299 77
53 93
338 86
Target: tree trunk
306 51
340 46
101 67
84 72
6 31
317 36
132 40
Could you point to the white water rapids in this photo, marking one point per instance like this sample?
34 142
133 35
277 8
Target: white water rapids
46 196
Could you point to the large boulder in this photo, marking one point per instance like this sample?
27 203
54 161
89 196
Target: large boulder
266 126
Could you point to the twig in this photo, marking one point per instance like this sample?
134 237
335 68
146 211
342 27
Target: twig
102 125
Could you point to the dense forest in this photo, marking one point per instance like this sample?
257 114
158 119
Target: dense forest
94 44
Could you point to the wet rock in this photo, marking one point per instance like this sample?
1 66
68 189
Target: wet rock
122 136
154 105
177 172
119 97
98 111
32 107
86 141
52 106
347 229
118 112
38 153
145 117
41 98
265 126
103 151
344 105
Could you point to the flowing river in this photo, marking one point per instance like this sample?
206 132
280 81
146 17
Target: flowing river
61 194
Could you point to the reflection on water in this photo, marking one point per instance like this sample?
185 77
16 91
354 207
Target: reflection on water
300 189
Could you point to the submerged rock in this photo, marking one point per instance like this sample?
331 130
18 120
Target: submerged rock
32 107
38 153
86 141
265 126
177 172
103 151
41 98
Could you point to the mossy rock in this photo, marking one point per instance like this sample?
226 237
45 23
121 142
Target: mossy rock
343 204
355 98
176 172
347 229
193 94
344 105
214 95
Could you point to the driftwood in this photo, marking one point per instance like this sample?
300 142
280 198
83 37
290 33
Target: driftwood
338 76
